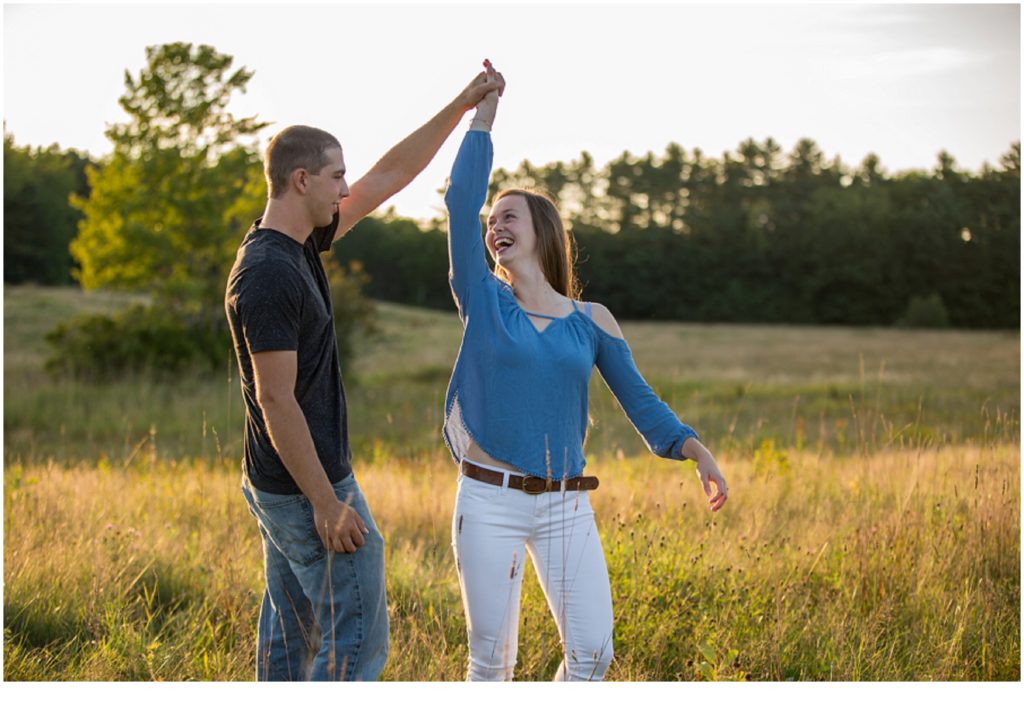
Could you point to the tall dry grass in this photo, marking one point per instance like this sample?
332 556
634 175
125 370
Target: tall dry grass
895 565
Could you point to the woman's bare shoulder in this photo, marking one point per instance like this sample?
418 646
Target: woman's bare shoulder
605 320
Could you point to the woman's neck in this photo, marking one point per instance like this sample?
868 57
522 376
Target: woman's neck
533 290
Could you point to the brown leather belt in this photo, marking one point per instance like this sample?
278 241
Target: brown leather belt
528 483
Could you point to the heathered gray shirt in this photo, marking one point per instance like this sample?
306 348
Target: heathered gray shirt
277 298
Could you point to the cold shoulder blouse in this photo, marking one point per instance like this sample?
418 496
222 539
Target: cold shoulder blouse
521 394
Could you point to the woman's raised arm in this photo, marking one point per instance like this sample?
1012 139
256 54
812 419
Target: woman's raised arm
465 197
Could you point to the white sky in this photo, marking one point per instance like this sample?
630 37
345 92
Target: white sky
903 81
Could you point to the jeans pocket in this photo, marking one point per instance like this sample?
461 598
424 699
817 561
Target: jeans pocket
289 525
347 490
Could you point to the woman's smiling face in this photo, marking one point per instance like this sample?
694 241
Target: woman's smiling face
510 233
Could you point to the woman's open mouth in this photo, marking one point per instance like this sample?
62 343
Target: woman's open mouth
502 244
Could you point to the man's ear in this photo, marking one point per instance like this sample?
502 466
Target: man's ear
299 180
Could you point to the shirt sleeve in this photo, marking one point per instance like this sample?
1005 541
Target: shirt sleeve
467 191
268 302
323 236
660 428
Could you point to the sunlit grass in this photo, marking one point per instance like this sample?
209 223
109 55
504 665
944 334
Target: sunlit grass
896 565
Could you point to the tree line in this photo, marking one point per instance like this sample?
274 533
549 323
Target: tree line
39 219
756 236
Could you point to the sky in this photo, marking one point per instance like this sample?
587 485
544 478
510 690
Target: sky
902 81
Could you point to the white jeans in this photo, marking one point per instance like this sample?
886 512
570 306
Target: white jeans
493 527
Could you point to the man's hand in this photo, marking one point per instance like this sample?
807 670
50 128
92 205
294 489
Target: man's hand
488 83
339 526
407 158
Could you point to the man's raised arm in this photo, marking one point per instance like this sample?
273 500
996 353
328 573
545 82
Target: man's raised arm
408 158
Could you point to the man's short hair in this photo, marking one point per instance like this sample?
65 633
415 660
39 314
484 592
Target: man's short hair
295 147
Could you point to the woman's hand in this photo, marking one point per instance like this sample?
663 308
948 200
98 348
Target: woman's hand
707 472
475 91
487 107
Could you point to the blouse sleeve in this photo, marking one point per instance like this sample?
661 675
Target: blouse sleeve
660 428
467 191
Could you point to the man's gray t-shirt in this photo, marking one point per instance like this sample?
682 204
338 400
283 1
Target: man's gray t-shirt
277 299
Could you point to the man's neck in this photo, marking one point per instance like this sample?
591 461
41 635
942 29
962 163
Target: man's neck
281 216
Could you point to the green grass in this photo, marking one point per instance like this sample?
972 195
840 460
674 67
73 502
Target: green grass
832 389
873 530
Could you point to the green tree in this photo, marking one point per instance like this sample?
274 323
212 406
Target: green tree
166 208
164 215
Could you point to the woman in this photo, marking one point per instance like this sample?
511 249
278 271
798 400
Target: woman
516 417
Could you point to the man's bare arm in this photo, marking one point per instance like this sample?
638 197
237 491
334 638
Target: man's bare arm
408 158
339 526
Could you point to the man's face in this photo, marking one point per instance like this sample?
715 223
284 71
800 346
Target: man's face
327 188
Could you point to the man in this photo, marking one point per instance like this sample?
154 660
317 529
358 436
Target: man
323 554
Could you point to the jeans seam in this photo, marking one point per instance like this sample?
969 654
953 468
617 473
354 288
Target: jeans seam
362 621
352 664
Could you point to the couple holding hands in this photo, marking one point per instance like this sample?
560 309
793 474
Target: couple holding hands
515 412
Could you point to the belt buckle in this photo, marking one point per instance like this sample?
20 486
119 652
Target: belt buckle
543 485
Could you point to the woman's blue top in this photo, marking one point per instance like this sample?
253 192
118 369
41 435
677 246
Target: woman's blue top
521 394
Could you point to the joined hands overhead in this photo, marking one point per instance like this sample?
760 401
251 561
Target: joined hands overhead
487 106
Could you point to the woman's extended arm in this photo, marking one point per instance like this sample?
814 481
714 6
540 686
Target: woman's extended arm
665 435
465 197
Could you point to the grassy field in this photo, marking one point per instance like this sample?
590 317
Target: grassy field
873 530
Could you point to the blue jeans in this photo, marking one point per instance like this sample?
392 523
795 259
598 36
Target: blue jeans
324 614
